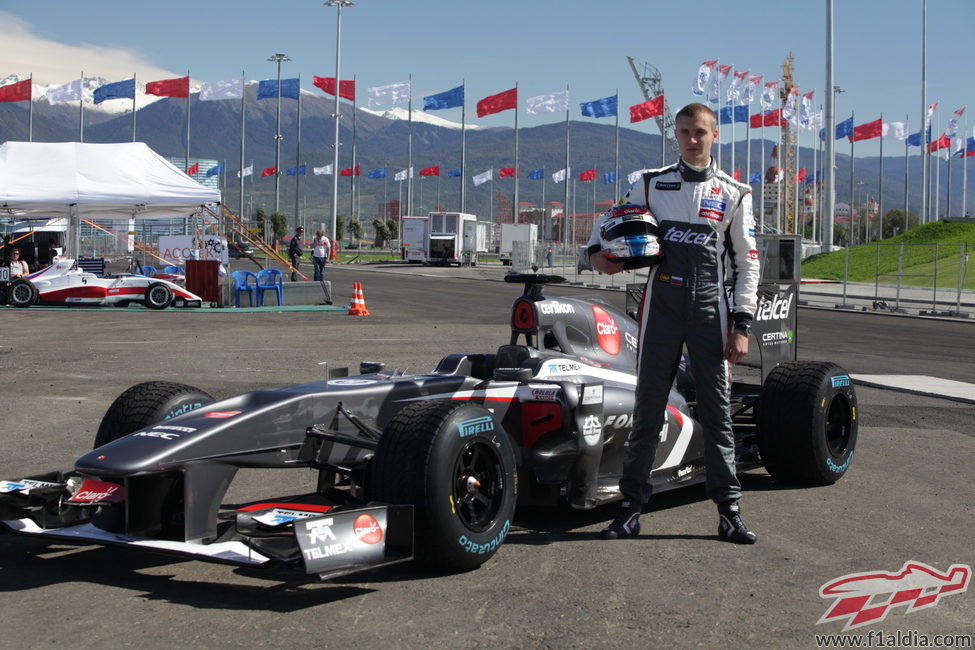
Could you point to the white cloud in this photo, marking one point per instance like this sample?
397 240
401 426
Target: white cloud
24 52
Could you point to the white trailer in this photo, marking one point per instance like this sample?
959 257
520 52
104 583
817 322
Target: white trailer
516 232
454 238
416 239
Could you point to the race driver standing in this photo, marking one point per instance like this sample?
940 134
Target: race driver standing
707 234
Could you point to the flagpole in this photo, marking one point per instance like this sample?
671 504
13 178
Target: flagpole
616 164
964 170
906 174
852 195
797 218
298 159
30 110
718 101
463 147
188 93
565 206
352 211
409 152
829 204
517 173
81 107
880 190
748 151
135 88
761 214
243 95
936 191
924 106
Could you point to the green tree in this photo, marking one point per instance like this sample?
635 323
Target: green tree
279 225
355 229
260 216
339 228
382 232
392 229
894 222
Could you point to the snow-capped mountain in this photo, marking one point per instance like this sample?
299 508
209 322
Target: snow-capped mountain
399 113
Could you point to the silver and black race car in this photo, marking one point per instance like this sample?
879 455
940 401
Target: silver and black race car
428 466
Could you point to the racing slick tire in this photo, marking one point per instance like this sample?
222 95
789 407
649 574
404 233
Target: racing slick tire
456 466
22 293
807 422
146 403
158 296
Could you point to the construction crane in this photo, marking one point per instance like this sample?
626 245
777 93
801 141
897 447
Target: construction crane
790 135
651 85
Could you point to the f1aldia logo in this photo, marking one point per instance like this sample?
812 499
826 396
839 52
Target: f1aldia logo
607 332
866 598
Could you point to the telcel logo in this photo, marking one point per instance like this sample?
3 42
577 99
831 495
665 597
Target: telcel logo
607 332
775 309
688 236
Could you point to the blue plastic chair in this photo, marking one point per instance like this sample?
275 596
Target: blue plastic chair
148 271
174 270
270 280
242 284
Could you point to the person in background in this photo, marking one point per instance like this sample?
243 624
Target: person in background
295 252
18 267
322 247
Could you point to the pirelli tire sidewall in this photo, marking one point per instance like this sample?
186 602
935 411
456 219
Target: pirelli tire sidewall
148 403
22 293
808 422
456 465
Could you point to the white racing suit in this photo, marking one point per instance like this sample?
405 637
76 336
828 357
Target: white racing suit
707 235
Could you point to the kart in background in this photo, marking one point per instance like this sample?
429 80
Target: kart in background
63 283
428 465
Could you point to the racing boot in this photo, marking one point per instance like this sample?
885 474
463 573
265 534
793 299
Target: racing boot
626 523
730 525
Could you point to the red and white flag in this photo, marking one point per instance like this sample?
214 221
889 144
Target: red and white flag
754 81
496 103
717 80
734 89
647 109
193 169
169 87
327 84
15 92
768 94
430 171
867 131
269 171
701 81
927 120
589 174
952 127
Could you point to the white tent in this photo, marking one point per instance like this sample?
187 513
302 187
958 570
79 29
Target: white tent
129 179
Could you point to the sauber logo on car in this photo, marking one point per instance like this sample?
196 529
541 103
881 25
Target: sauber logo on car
866 598
607 332
367 529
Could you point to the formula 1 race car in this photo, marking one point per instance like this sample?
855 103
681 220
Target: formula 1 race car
63 283
427 465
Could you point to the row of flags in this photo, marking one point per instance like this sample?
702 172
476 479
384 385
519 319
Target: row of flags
386 95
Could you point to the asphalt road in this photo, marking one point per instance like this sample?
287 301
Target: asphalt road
907 497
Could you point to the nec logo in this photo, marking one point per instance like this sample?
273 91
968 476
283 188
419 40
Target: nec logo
607 332
688 236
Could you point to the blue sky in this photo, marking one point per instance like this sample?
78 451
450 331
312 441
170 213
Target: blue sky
542 45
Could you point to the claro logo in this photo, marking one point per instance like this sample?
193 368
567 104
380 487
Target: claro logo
607 332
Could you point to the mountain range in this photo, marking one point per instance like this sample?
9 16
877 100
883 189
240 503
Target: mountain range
380 140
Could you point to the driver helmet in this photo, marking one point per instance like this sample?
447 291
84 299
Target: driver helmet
631 235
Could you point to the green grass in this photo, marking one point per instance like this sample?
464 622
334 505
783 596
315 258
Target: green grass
932 245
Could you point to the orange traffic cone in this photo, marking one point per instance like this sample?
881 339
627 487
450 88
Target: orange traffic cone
357 307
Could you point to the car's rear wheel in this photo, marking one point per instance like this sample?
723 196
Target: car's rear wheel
158 296
22 293
807 422
455 464
145 404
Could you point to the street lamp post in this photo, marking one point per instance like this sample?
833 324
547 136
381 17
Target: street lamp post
279 59
338 4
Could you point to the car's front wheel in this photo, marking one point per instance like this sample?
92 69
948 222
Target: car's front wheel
158 296
455 464
807 422
145 404
22 293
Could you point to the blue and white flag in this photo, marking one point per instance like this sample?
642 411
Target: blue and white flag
268 88
605 107
296 171
609 178
756 177
845 128
118 90
453 173
377 173
216 169
536 175
447 99
701 81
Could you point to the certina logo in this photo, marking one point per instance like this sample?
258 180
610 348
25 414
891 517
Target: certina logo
775 309
607 332
867 598
549 308
774 338
661 185
367 529
475 425
688 236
